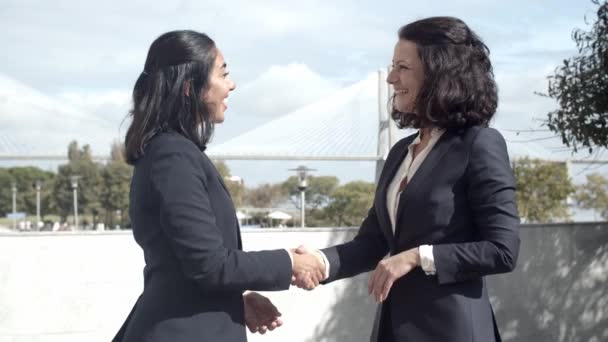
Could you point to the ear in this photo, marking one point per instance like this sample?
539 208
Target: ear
187 88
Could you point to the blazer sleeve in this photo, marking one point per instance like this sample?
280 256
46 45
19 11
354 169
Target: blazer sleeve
491 197
188 220
362 254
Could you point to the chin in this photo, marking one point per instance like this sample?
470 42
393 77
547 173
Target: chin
218 118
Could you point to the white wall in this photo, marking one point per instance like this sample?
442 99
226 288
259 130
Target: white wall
80 287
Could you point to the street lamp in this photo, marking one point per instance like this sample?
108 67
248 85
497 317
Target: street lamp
14 190
38 185
302 185
74 181
118 219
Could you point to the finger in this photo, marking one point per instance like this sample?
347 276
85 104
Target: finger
319 274
310 285
302 249
251 328
378 286
386 290
262 329
376 278
372 281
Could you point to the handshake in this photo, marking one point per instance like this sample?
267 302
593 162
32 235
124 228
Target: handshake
309 267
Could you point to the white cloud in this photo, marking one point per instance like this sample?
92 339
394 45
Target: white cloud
282 88
38 124
111 106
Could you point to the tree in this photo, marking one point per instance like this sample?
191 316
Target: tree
222 168
542 190
236 188
580 86
117 151
350 203
82 165
264 196
116 178
318 192
594 194
6 194
25 179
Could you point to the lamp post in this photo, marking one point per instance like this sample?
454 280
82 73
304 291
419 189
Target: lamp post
118 219
14 191
302 185
74 181
38 185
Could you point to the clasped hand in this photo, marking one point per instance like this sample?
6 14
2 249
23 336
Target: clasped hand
308 268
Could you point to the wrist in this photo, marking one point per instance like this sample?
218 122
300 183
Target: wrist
416 256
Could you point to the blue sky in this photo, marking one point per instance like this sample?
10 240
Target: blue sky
86 55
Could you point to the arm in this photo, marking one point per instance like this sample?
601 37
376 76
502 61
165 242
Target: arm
188 220
491 196
360 255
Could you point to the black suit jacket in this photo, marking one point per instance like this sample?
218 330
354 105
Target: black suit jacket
461 200
195 274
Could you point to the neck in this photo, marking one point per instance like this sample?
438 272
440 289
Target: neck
425 133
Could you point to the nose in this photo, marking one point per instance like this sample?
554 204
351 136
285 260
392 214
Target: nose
232 85
391 77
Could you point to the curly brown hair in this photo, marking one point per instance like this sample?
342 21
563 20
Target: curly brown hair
459 89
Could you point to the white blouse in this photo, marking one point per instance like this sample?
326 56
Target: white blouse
407 170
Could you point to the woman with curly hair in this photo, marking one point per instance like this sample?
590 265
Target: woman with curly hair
445 207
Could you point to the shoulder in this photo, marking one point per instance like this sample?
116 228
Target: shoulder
484 136
169 150
171 142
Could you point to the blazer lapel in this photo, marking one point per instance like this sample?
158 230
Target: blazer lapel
442 146
388 173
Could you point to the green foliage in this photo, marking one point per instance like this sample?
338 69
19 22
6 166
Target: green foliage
222 168
116 179
350 203
542 190
264 196
82 165
594 194
235 188
25 179
318 192
580 86
6 195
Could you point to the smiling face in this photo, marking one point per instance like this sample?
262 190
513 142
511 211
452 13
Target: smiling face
220 86
406 76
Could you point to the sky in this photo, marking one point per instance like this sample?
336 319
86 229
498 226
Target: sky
67 67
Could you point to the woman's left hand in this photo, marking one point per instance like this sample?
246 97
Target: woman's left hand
260 314
389 270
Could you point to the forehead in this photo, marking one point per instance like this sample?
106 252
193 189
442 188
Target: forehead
219 58
406 50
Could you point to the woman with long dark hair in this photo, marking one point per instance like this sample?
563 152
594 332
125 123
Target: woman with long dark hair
182 215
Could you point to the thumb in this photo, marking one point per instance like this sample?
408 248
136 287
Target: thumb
302 249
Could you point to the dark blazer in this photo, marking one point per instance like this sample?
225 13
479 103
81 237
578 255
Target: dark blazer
195 274
461 200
